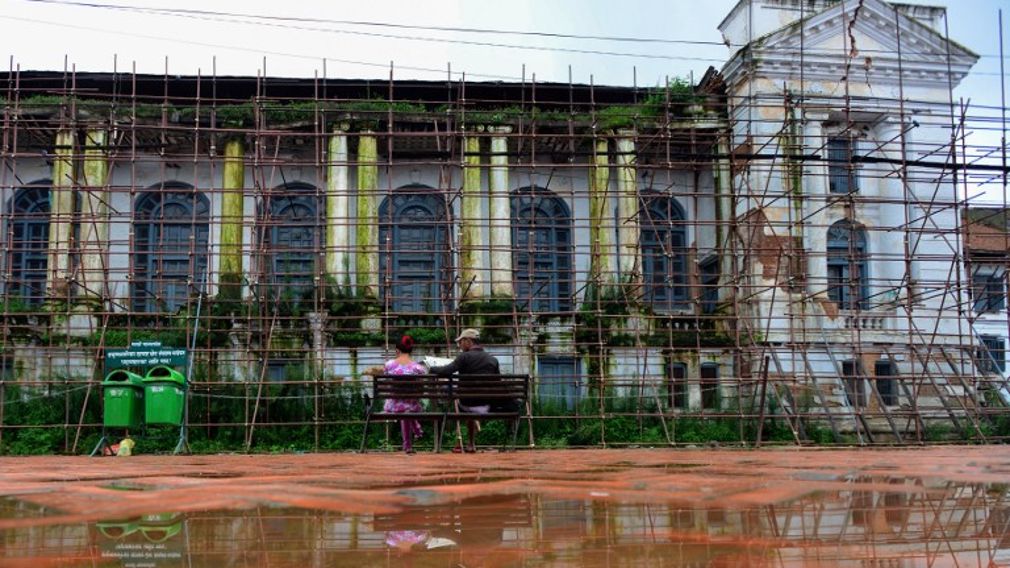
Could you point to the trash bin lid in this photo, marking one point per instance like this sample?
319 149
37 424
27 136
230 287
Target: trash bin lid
118 529
123 378
161 533
165 374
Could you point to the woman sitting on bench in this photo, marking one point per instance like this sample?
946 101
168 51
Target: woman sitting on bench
404 365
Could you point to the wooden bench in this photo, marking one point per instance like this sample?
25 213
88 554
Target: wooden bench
507 394
408 387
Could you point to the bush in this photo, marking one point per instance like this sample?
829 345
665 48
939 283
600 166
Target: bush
50 415
289 418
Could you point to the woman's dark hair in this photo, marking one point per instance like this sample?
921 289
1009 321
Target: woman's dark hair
405 344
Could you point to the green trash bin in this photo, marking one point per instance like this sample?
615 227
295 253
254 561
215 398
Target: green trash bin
123 397
164 396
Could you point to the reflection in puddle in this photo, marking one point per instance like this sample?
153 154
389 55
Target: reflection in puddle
877 523
150 540
126 486
12 508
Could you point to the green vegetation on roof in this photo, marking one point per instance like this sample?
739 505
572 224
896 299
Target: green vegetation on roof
673 100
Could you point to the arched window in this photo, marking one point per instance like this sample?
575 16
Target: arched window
413 250
171 232
29 252
847 273
541 250
294 239
664 253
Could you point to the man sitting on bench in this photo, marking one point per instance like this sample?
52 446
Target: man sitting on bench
472 361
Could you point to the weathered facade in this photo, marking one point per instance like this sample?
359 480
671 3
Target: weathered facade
987 256
849 200
783 234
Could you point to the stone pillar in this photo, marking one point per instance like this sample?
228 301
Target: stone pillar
232 217
888 274
500 215
338 263
723 213
95 216
367 241
471 273
628 229
815 196
61 211
603 262
317 329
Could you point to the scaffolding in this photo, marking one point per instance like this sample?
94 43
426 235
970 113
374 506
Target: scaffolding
701 261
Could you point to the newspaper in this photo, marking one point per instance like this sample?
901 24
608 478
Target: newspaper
430 361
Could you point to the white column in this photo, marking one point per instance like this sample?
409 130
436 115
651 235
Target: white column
95 215
230 248
888 265
471 266
61 207
815 195
500 214
367 241
601 221
724 212
338 235
629 252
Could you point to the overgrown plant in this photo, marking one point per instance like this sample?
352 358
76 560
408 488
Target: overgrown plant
676 97
495 317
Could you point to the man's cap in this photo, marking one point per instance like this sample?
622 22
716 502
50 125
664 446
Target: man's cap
469 334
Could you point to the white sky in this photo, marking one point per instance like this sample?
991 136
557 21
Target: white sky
41 36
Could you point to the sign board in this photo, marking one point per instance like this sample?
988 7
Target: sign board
144 354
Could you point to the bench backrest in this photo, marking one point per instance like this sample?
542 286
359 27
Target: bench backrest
504 387
433 387
410 387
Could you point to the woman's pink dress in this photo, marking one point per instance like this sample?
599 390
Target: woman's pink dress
412 405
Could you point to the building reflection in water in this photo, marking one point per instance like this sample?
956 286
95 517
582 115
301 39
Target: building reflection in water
878 522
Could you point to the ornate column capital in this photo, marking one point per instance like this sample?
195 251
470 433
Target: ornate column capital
891 127
818 116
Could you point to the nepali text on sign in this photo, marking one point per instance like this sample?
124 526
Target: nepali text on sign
120 358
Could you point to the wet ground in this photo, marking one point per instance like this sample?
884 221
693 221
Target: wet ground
944 506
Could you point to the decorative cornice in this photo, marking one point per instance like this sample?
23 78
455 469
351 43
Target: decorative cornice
924 60
773 64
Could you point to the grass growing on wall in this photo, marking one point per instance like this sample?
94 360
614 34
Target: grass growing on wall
676 98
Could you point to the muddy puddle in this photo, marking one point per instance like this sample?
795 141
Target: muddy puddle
871 521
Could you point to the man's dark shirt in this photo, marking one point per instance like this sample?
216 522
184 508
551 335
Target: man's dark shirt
476 361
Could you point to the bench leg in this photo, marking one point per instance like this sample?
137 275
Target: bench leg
441 434
438 436
364 434
515 433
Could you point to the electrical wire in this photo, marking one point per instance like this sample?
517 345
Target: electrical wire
266 20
